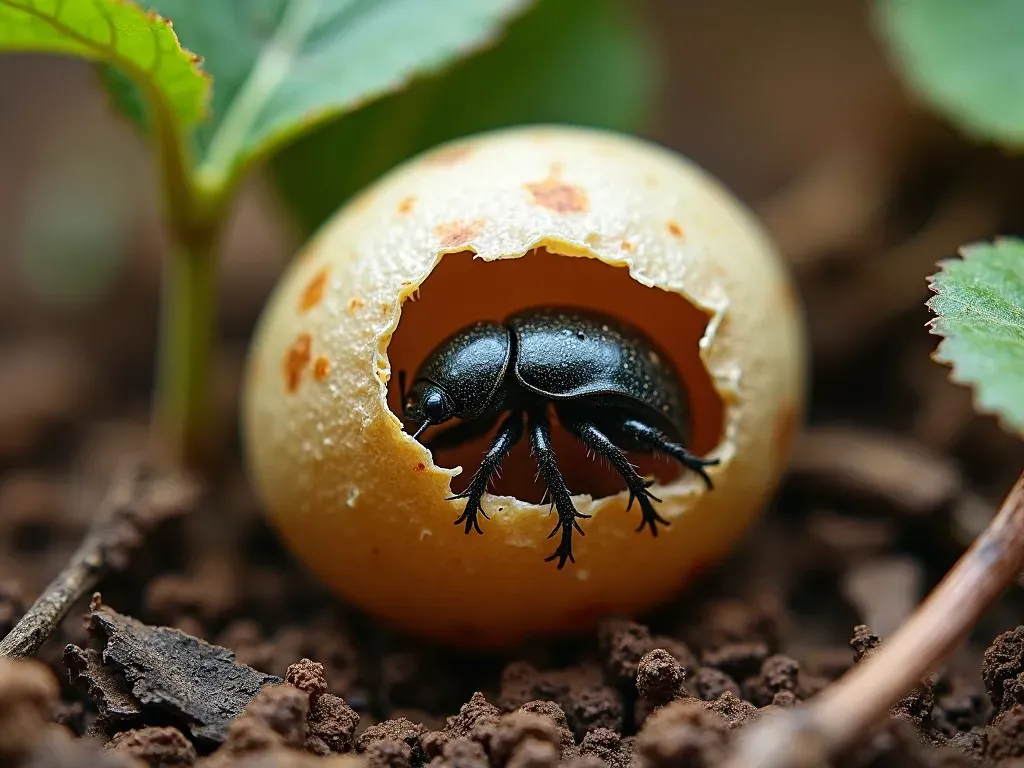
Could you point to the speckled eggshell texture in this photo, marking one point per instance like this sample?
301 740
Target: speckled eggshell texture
482 227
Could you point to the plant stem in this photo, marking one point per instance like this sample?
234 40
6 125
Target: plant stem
187 331
833 720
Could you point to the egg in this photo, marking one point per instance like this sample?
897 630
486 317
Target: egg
477 229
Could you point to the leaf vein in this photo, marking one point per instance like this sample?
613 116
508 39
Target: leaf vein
271 69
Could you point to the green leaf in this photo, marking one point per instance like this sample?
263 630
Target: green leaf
143 47
979 304
965 58
282 66
585 62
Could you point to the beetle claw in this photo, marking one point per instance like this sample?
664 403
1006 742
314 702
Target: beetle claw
649 516
564 550
697 465
652 521
567 522
469 514
633 496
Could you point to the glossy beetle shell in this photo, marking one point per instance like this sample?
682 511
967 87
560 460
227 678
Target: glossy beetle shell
594 358
472 366
476 230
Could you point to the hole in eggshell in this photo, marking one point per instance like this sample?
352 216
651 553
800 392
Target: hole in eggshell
462 289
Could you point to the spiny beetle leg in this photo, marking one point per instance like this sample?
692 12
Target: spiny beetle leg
657 440
568 517
595 439
509 433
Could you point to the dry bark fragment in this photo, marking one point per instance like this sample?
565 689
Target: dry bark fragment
171 676
110 693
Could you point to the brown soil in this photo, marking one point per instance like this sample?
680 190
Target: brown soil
894 475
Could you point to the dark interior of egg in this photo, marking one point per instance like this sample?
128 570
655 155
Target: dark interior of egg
462 289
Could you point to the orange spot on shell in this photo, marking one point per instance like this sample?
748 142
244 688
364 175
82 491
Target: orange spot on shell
355 305
628 247
314 292
296 359
674 229
419 467
558 196
455 233
321 368
408 203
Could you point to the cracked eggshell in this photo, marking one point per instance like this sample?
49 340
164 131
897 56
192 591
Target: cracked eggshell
364 506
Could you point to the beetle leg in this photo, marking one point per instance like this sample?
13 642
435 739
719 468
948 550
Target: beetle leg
540 439
594 438
657 440
509 433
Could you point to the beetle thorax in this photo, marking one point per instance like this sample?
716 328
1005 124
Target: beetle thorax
471 367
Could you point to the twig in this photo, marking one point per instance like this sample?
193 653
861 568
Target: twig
139 497
810 734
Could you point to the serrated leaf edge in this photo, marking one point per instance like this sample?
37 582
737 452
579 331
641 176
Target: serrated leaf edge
939 355
138 76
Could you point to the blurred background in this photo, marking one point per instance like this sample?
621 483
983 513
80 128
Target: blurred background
793 105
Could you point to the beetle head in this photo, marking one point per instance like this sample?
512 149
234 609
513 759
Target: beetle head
425 403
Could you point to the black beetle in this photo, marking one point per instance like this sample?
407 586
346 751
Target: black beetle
609 384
